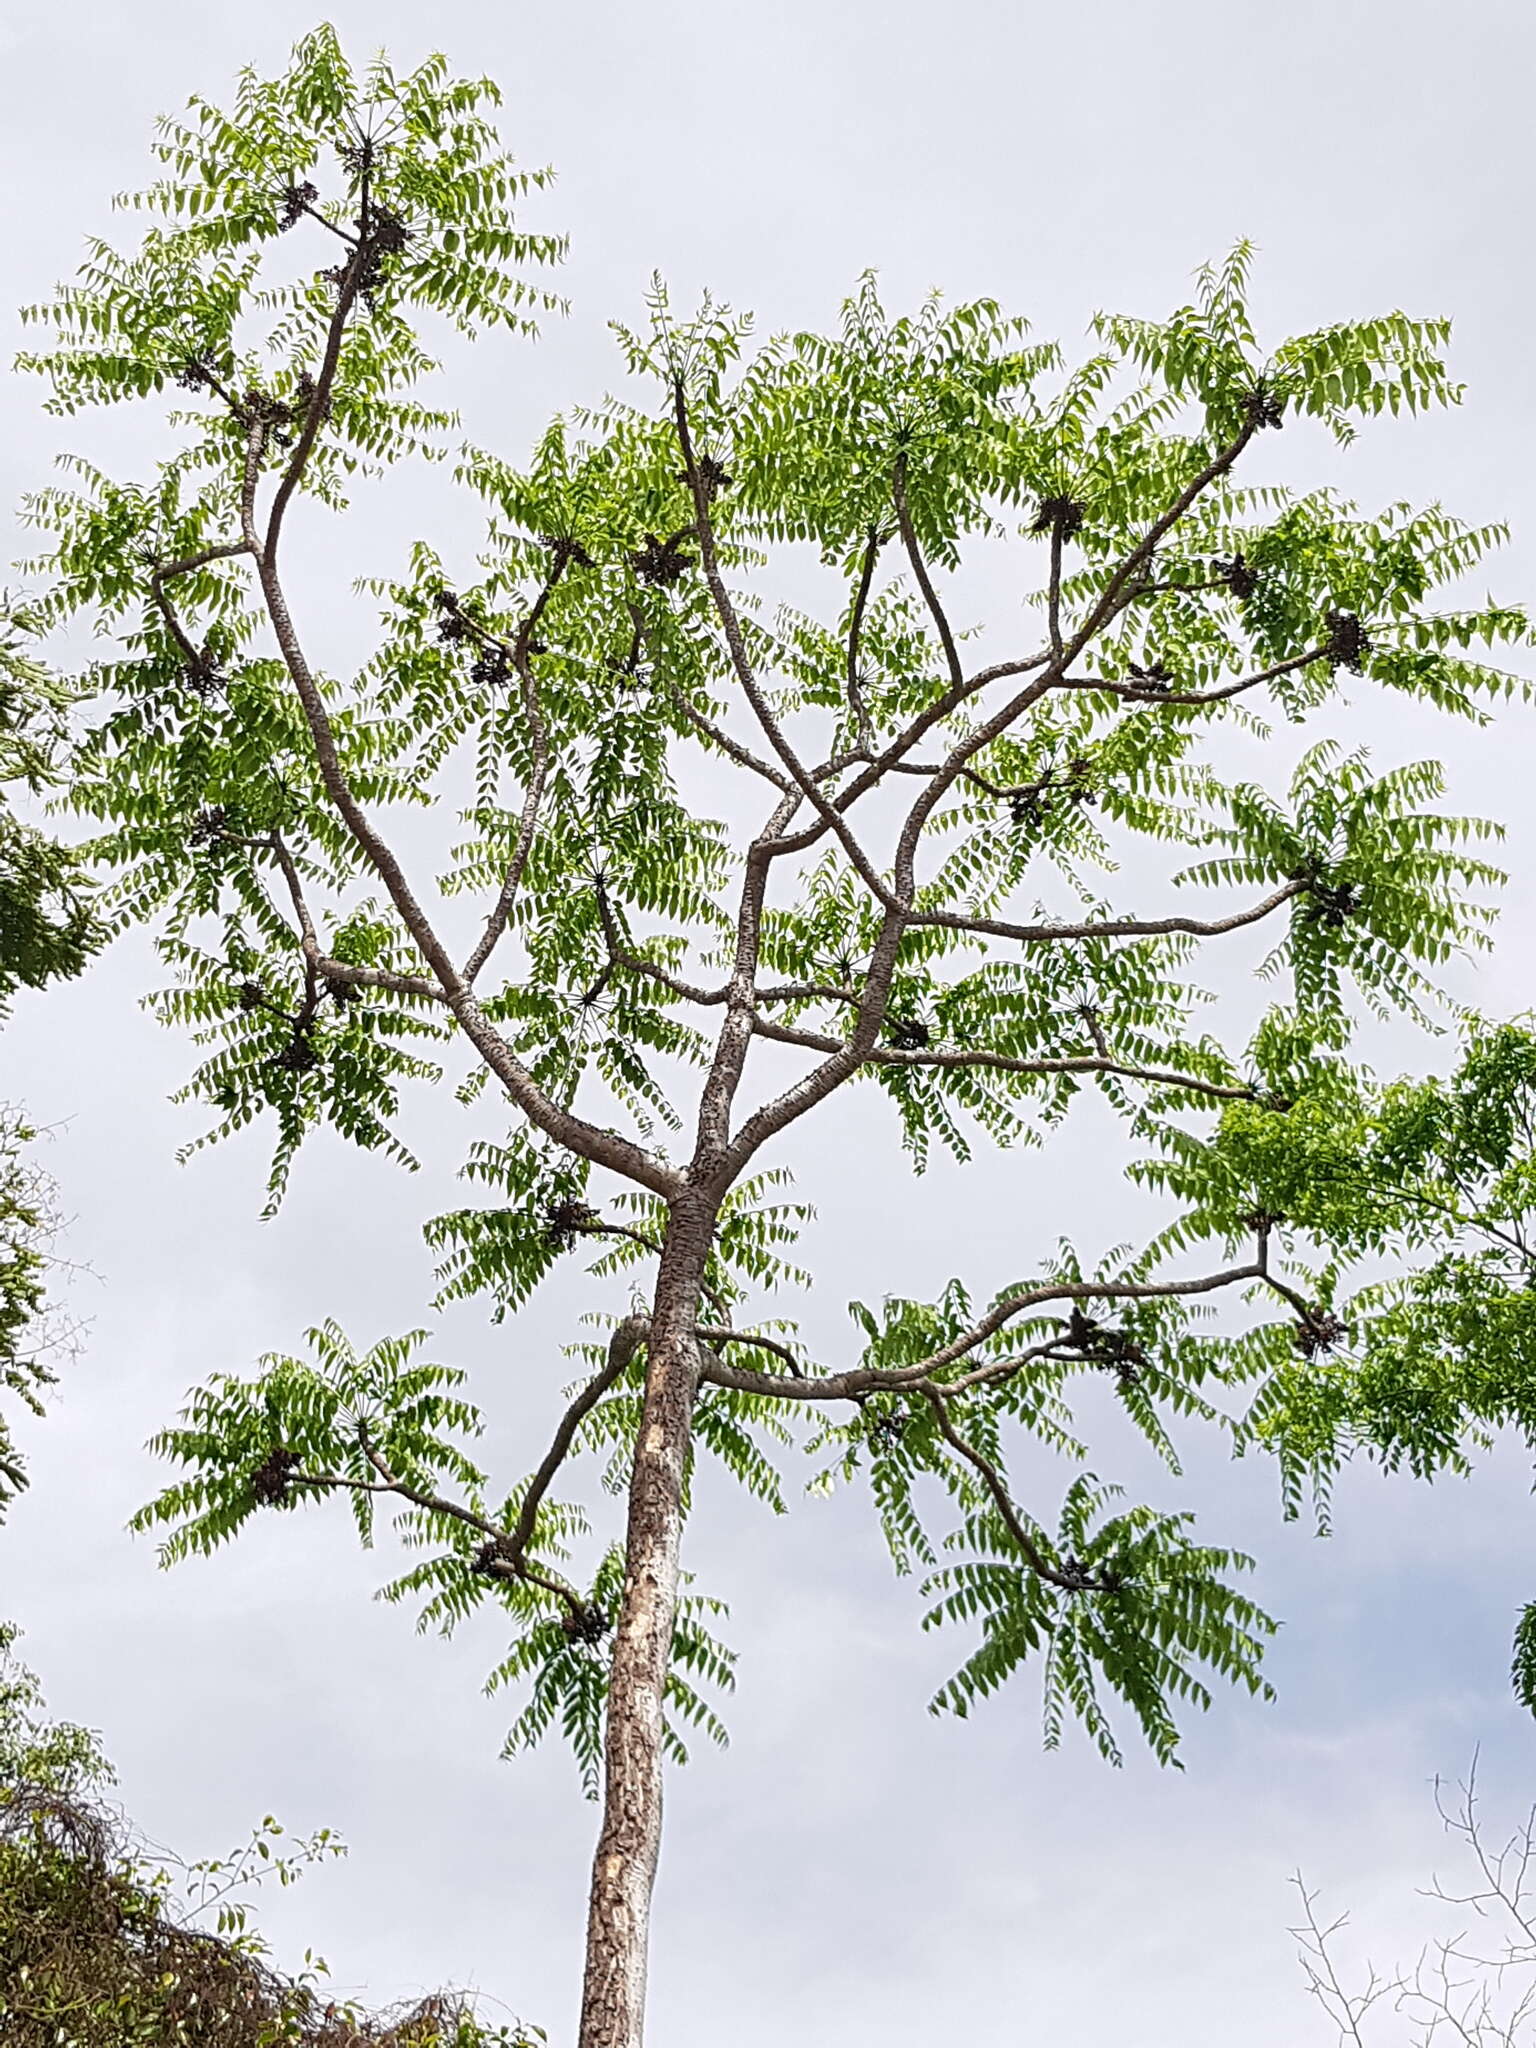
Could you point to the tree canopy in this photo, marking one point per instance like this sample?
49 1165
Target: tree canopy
745 809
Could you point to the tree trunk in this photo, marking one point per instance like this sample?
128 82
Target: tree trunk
624 1868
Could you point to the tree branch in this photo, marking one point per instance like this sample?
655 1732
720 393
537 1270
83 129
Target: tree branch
533 795
1068 1581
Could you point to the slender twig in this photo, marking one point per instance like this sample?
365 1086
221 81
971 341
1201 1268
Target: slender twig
520 651
856 700
1011 1063
868 1379
1039 1563
920 571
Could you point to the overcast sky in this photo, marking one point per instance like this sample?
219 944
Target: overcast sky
852 1871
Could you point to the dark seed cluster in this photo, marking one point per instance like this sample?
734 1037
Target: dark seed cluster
305 389
491 666
1240 577
1334 903
565 1221
585 1624
564 549
888 1430
1157 677
1032 805
1260 1220
251 996
295 201
208 826
269 1482
1320 1333
1101 1345
908 1034
1059 514
489 1559
298 1056
1348 641
713 475
661 563
358 156
381 236
452 625
342 993
205 678
1264 405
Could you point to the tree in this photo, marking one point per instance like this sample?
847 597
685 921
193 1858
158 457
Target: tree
658 997
48 928
105 1944
47 924
1473 1985
34 1334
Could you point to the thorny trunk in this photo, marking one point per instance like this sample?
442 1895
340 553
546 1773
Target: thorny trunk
624 1867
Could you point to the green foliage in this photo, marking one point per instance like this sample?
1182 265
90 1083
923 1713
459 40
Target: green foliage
1163 1607
47 921
33 1335
981 949
387 1424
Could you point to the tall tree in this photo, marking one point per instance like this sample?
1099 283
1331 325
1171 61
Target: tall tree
655 998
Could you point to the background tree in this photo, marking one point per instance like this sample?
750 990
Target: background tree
48 927
1473 1985
105 1944
723 855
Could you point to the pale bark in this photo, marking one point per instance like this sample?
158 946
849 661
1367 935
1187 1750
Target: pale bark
624 1866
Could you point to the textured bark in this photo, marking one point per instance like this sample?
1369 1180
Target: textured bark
624 1867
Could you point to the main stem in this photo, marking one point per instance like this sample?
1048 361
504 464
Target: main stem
624 1867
